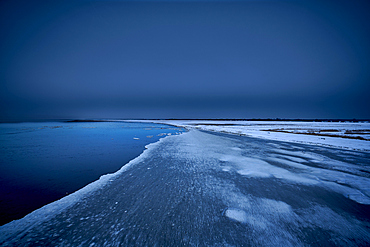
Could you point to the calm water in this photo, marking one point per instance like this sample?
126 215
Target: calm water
42 162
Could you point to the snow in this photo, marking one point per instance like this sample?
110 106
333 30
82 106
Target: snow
262 129
237 214
253 167
281 167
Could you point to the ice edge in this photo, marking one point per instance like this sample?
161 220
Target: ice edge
46 212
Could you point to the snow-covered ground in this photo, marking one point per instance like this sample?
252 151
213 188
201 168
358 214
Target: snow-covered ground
347 135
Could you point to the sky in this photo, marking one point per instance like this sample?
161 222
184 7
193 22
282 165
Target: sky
184 59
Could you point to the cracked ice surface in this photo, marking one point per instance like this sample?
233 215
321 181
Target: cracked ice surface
213 190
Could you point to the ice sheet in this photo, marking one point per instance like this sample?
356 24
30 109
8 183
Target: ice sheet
195 189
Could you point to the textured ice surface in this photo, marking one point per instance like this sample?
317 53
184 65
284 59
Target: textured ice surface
252 167
201 189
236 214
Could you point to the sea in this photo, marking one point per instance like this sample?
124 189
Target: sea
41 162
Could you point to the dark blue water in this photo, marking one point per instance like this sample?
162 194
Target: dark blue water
42 162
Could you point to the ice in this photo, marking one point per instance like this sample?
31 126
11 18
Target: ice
258 168
249 173
289 163
43 214
341 228
355 187
226 168
237 215
301 154
204 189
260 129
359 197
248 166
295 159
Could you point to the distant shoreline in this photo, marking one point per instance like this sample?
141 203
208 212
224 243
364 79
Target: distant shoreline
354 120
269 119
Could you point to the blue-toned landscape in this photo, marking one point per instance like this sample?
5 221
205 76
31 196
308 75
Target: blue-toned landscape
191 188
184 123
43 161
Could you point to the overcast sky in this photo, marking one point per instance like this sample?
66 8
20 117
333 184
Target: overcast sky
184 59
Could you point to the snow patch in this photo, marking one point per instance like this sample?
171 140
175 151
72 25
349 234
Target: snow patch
236 214
261 129
249 173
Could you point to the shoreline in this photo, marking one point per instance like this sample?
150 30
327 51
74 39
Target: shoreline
267 130
42 214
65 157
